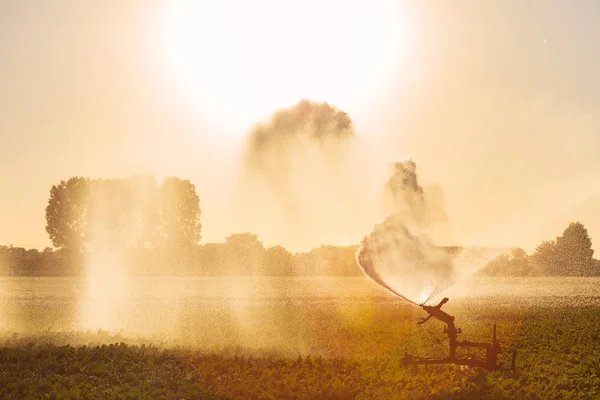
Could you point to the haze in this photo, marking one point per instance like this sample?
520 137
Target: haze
496 101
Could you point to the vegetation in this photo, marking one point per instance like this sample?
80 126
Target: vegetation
245 254
361 347
116 371
240 254
91 214
569 255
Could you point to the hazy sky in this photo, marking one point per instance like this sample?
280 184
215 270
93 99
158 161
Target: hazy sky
498 102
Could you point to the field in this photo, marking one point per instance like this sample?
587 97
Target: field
355 353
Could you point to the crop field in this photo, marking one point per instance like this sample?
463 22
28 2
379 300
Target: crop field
355 353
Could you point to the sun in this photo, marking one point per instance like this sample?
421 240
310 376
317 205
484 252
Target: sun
235 62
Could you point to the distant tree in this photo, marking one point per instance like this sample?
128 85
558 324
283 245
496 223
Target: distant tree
178 213
211 259
66 214
143 190
305 264
278 262
244 253
329 261
110 214
4 261
519 263
544 258
596 268
123 212
514 263
569 255
574 252
83 214
496 266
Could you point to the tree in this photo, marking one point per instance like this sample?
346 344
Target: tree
143 191
244 253
570 254
66 214
210 259
519 264
278 262
514 263
110 214
178 213
574 251
84 214
497 266
544 258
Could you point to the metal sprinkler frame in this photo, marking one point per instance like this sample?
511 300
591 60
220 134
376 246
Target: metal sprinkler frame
492 349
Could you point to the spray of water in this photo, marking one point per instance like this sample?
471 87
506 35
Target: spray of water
409 266
400 254
413 267
304 172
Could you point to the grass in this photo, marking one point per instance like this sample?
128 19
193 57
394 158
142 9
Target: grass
356 354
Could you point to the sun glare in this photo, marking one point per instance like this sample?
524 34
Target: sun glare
238 61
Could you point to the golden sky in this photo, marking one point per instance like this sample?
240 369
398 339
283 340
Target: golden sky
498 102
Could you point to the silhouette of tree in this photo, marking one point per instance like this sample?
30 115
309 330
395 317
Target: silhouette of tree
178 213
545 258
110 213
244 253
84 214
210 259
278 262
144 209
574 251
569 255
497 266
519 264
66 214
122 212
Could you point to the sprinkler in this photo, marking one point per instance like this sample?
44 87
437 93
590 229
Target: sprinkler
492 349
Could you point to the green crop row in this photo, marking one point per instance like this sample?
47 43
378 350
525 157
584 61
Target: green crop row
359 358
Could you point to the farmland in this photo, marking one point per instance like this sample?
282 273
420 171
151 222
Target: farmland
355 351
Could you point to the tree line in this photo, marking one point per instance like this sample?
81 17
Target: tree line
244 254
240 254
570 254
155 228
